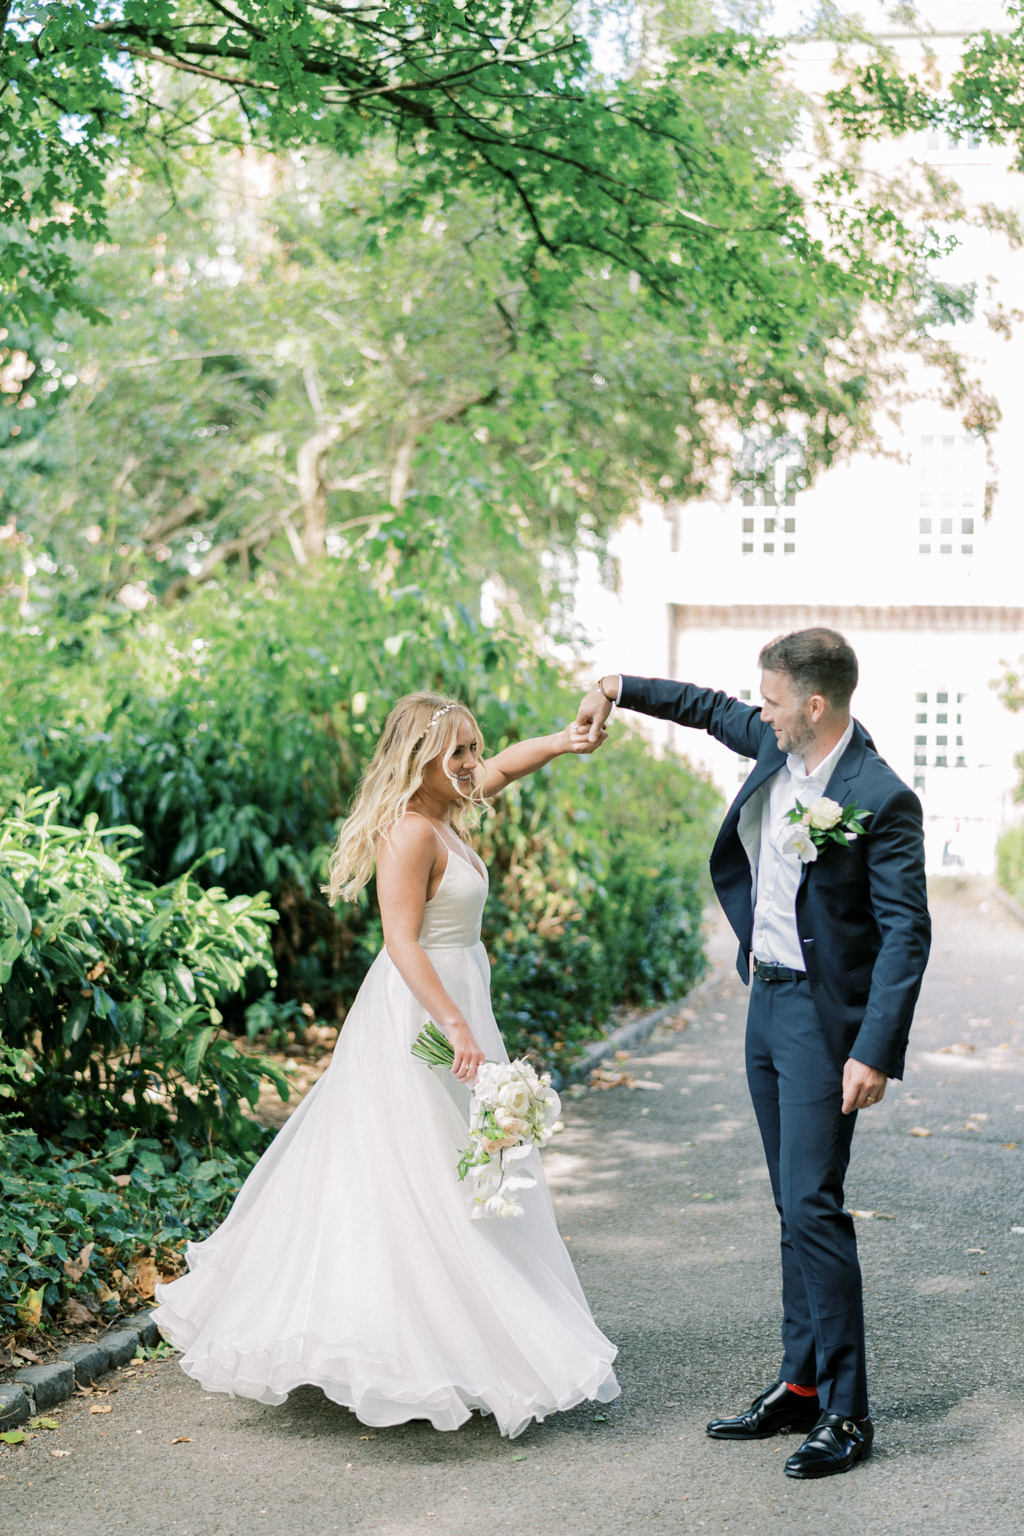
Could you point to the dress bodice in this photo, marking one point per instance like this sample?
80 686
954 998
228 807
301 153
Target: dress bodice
452 917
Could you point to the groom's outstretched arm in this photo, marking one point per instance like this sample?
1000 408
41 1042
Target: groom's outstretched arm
739 726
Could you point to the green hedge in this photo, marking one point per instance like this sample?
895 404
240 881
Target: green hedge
235 728
110 987
1010 862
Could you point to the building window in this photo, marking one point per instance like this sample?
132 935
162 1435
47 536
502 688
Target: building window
748 525
920 741
924 525
919 781
967 549
789 549
945 549
748 549
745 694
789 526
946 525
921 719
769 525
941 741
921 698
943 698
940 762
924 549
961 762
920 760
967 525
948 472
769 549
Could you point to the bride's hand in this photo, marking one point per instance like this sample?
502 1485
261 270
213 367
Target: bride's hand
578 740
468 1055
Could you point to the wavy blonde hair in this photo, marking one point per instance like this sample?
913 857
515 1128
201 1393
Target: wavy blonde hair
421 726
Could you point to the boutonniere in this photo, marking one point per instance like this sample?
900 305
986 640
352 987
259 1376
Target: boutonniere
825 820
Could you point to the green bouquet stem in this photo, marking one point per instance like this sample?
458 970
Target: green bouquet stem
433 1047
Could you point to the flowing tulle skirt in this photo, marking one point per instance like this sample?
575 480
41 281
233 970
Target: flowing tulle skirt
349 1260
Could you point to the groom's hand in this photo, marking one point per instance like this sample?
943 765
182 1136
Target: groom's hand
593 712
862 1086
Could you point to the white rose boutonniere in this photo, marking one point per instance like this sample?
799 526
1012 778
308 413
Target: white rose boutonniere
826 820
824 814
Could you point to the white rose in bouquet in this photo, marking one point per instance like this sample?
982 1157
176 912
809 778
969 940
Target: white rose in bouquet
824 814
515 1096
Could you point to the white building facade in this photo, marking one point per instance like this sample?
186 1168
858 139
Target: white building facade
894 549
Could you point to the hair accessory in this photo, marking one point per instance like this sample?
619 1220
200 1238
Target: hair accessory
435 717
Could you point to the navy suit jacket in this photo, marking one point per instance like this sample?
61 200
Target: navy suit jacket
861 912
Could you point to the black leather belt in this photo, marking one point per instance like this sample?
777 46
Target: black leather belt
767 970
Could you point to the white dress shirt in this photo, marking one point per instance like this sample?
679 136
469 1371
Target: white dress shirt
777 876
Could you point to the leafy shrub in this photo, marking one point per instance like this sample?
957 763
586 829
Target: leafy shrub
1010 862
110 986
242 721
125 1201
598 885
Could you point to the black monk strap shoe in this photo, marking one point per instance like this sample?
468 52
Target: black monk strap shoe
775 1410
834 1445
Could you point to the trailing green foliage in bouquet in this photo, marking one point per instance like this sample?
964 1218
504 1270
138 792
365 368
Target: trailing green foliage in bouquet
110 986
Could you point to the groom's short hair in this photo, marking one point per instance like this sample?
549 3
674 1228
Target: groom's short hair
817 661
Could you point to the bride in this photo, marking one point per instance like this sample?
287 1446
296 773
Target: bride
349 1260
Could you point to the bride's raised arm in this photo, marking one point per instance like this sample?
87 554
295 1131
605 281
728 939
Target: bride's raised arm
525 757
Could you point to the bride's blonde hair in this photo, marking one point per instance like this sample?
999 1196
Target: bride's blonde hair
421 726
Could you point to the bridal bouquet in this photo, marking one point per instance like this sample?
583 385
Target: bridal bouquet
513 1110
825 820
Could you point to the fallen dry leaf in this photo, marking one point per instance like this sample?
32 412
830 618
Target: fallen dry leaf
182 1440
103 1293
919 1130
961 1048
147 1278
1008 1146
122 1179
27 1354
76 1311
101 1408
60 1453
76 1268
863 1215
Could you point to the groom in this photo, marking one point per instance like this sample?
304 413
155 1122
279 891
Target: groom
837 940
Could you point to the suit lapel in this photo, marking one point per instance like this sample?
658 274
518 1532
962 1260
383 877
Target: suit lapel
842 779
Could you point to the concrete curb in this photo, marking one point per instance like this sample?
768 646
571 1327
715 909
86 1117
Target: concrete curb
1011 904
632 1034
39 1387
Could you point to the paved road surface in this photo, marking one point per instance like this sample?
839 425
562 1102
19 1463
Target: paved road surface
665 1199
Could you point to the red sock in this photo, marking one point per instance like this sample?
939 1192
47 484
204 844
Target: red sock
802 1391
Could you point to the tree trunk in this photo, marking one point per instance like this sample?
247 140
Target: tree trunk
403 463
310 476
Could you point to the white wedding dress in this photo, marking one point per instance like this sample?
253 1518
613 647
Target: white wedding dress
349 1260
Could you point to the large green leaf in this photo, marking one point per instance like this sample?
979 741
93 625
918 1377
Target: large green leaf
195 1052
77 1018
15 909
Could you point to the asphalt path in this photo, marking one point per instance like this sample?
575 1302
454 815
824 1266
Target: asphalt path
664 1198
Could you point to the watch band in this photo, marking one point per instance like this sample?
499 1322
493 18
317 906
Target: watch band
609 696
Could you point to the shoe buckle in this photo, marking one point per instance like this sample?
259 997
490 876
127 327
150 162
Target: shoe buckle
849 1426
